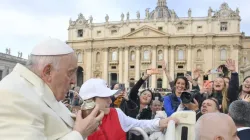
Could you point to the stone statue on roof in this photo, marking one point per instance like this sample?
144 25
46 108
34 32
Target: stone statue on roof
189 12
122 17
138 15
107 18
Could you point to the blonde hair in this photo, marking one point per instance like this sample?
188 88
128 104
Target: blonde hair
224 99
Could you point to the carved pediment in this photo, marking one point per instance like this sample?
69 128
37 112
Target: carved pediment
80 21
226 12
145 31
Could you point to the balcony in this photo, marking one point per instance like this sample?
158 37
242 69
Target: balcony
180 61
113 62
146 62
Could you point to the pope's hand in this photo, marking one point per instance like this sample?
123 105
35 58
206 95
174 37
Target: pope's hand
89 124
164 122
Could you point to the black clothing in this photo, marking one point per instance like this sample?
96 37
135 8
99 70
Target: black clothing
244 134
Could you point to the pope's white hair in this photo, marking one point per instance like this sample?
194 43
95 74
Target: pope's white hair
240 112
36 63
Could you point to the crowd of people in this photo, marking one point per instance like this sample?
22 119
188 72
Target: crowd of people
38 102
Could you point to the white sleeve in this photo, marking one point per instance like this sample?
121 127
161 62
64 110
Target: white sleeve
180 108
73 135
127 123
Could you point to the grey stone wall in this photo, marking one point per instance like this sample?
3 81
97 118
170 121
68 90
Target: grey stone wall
8 62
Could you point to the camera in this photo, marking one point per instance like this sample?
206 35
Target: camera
188 97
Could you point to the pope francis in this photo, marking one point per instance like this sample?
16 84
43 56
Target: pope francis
31 95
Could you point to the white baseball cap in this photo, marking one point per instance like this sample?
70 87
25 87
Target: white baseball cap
52 46
95 87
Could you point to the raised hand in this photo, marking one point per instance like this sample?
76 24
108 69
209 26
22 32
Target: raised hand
164 122
230 64
146 75
197 73
164 65
189 77
89 124
192 106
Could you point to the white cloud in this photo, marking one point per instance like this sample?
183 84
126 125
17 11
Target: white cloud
26 22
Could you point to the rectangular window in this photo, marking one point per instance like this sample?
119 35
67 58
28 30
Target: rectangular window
80 33
199 28
113 67
113 32
181 28
132 67
223 26
180 67
99 33
160 28
132 29
159 66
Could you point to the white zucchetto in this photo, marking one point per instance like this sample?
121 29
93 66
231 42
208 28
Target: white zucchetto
52 47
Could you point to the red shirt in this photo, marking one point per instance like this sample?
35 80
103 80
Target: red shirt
110 129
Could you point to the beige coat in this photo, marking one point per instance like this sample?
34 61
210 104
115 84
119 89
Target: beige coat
29 110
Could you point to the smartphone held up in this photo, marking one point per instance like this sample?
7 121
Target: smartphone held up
152 71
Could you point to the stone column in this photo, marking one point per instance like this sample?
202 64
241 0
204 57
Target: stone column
189 58
153 77
235 55
209 58
120 65
89 63
125 78
172 61
105 64
137 63
164 80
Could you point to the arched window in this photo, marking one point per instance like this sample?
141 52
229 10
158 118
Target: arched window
146 55
199 54
180 55
131 82
160 13
159 83
79 57
160 55
132 56
223 54
98 57
114 56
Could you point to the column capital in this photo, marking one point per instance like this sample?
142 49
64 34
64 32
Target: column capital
89 49
236 46
137 47
126 48
209 46
121 48
172 46
154 46
166 46
104 49
190 46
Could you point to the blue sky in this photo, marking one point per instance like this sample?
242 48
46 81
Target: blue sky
24 23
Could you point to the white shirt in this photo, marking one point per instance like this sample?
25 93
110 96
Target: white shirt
242 128
127 123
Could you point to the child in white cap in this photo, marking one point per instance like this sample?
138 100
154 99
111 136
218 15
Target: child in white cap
115 123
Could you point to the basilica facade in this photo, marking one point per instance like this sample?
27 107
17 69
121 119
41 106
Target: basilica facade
121 51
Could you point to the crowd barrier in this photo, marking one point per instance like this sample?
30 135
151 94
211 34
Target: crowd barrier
185 130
